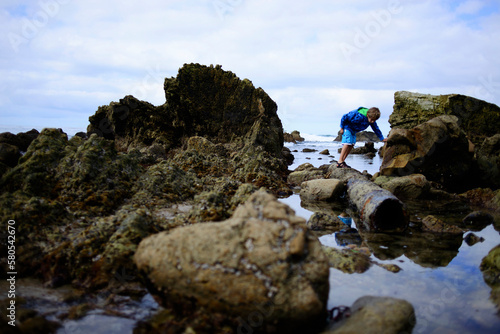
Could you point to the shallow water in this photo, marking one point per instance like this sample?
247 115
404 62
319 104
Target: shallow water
440 274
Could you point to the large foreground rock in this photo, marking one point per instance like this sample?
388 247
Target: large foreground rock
263 257
438 149
478 118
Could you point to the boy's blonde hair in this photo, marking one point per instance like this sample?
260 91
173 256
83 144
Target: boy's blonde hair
373 113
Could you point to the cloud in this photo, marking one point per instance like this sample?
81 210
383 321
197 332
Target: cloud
62 59
470 7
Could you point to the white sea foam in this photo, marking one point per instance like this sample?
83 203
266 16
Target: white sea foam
317 138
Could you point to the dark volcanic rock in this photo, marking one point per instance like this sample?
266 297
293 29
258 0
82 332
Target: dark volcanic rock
201 101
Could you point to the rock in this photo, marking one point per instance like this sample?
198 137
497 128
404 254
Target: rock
3 169
21 140
413 186
436 225
200 101
81 134
304 166
362 136
370 314
287 154
298 177
321 190
437 149
93 177
471 239
165 181
488 161
347 260
262 256
153 154
325 152
478 220
494 203
478 118
320 221
293 137
309 150
35 172
490 266
9 154
368 148
101 254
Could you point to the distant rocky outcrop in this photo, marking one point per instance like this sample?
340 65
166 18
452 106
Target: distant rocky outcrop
368 148
293 137
362 136
479 119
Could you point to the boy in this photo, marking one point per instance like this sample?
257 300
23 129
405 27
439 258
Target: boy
356 121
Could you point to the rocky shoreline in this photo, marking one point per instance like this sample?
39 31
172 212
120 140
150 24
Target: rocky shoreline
182 198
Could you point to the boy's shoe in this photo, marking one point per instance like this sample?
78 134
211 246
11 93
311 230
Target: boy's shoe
343 165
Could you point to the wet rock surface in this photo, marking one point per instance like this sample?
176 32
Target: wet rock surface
262 255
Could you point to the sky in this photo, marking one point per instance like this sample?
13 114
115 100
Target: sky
62 59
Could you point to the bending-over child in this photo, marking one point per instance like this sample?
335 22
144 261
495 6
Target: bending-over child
353 122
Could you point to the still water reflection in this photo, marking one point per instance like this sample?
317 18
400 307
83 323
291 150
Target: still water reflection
440 273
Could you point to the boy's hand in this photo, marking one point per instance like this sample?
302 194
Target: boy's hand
385 139
341 131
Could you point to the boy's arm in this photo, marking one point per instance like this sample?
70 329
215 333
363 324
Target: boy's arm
377 130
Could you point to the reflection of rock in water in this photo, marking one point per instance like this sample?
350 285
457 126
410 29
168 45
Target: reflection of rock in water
425 249
490 266
348 237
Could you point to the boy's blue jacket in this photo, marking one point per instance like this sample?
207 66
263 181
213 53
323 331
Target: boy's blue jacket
355 121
